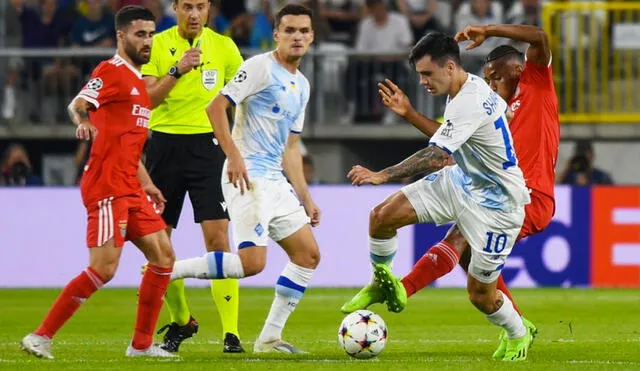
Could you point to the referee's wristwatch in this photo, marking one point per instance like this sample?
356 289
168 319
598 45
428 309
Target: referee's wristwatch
174 72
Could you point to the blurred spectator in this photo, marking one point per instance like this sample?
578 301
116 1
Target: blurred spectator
230 17
524 12
163 20
478 12
11 66
115 5
342 17
95 30
16 168
47 27
385 32
580 170
262 30
421 15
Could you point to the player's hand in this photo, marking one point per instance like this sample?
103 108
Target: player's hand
313 211
86 131
190 60
477 34
360 175
237 172
155 196
394 98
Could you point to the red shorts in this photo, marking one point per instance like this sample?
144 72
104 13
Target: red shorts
123 218
538 214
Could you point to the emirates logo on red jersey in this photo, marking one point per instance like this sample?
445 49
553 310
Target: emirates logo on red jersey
515 105
143 114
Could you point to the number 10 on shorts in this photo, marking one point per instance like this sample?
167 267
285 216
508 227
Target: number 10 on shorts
495 245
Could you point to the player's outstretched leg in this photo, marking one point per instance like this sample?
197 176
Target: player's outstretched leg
303 251
385 219
75 293
395 293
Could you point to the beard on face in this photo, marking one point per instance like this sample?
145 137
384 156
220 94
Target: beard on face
135 55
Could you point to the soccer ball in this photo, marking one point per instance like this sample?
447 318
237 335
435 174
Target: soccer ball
362 334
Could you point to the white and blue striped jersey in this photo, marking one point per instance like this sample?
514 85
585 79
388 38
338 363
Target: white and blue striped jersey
475 131
270 103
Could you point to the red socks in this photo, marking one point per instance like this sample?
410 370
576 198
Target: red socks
69 300
151 295
435 263
502 286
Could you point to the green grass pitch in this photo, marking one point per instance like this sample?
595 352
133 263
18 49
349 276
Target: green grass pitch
440 330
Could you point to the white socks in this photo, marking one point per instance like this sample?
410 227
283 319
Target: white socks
290 287
383 250
507 318
213 265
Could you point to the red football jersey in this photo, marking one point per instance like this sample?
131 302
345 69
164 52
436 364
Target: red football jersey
535 127
121 113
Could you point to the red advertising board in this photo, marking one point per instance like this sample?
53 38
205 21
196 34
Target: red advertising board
615 246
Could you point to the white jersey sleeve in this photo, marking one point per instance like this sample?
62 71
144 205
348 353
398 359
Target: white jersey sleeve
461 119
252 77
299 124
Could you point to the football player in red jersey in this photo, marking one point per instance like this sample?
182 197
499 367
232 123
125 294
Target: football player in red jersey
526 84
122 203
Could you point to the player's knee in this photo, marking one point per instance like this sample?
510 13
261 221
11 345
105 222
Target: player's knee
252 266
166 256
482 300
308 260
163 255
106 270
217 241
380 219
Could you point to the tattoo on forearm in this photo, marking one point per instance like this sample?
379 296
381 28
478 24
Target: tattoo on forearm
78 113
426 160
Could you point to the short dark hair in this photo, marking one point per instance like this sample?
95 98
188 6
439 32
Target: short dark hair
292 9
439 46
130 13
504 51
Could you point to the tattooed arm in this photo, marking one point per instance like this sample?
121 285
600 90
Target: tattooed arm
427 160
79 112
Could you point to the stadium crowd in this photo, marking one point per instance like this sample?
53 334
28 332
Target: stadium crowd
373 26
367 26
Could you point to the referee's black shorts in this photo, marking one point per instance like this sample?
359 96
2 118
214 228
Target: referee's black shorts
181 163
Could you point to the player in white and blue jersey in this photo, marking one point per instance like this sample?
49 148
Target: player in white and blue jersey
270 96
484 192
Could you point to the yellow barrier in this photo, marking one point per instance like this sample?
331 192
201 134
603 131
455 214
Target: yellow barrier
595 47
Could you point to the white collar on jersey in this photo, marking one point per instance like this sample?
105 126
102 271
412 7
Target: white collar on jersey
126 63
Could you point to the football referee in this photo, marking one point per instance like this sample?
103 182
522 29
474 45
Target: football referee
189 65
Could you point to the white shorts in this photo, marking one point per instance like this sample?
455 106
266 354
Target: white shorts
270 209
490 233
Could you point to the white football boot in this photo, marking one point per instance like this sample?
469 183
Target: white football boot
37 345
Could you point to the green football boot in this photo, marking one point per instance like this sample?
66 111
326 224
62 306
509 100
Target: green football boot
394 291
502 347
517 349
369 294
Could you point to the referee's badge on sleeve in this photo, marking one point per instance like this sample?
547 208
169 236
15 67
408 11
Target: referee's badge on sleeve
209 78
